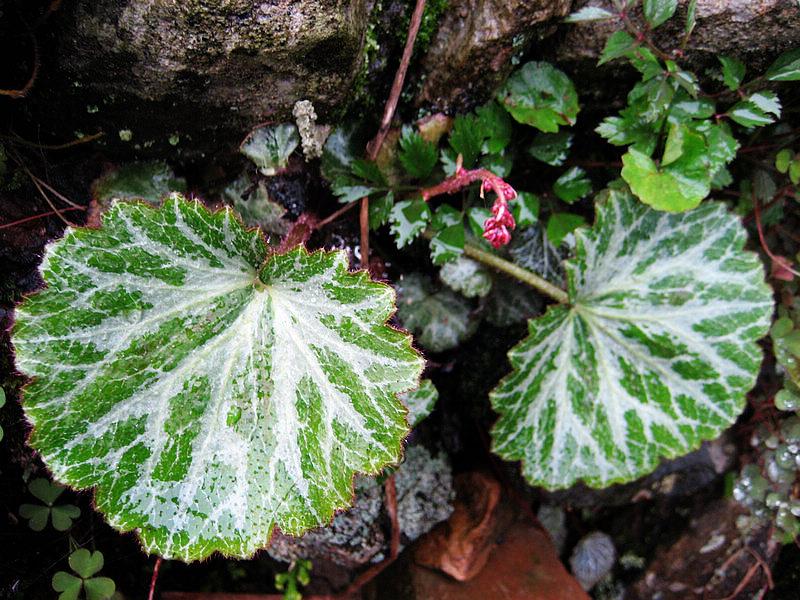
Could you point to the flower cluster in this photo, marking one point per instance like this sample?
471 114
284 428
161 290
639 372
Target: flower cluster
497 228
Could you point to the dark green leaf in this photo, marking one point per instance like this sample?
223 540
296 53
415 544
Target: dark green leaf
445 216
499 164
467 277
560 225
551 148
447 244
345 144
747 114
786 67
417 155
368 170
379 210
658 11
732 72
619 44
691 18
349 190
766 101
572 185
540 95
496 126
466 139
525 209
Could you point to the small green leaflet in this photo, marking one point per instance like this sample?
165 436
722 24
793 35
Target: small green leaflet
619 44
440 320
269 147
48 492
540 95
86 564
653 355
732 72
417 155
420 402
572 185
209 391
551 148
658 11
525 209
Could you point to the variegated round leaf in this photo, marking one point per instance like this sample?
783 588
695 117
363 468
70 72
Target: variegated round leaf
654 353
208 390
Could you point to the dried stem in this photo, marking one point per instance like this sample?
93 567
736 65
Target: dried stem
23 91
374 147
39 216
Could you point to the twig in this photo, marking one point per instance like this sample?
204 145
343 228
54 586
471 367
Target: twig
374 147
23 91
390 490
39 216
84 140
154 579
782 262
332 217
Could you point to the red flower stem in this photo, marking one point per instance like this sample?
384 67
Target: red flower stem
457 182
154 579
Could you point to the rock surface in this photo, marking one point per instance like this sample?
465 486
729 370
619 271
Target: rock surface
475 45
754 31
195 67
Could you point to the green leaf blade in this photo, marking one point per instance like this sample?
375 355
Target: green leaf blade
208 393
540 95
654 355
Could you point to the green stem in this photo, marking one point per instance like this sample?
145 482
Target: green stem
517 272
500 264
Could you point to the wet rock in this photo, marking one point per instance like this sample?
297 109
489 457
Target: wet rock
710 560
475 47
592 559
356 537
193 70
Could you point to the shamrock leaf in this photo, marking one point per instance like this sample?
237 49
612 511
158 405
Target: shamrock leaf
38 514
86 564
653 354
208 390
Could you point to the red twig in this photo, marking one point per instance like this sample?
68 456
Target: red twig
456 182
40 216
84 140
374 147
390 491
781 261
154 579
335 215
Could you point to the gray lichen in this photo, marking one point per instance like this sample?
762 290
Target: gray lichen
312 136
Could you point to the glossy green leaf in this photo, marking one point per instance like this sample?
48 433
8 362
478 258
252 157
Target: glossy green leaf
589 13
551 148
417 155
572 185
253 204
732 72
207 390
380 209
619 44
525 209
467 277
270 146
653 354
786 67
420 402
658 11
439 319
496 127
783 159
408 219
532 249
447 244
749 114
148 181
466 138
344 145
560 225
540 95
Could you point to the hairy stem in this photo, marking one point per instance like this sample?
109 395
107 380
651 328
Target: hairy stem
507 267
517 272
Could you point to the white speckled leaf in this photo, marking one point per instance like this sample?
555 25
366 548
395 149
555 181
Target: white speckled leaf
653 355
207 390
